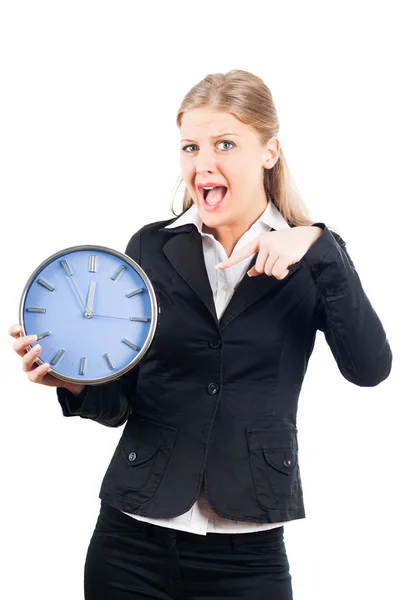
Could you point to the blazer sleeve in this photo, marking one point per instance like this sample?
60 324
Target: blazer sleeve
344 313
109 403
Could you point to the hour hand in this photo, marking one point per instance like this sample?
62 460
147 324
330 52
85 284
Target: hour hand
90 300
69 273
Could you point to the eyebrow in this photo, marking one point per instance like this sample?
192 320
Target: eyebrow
213 137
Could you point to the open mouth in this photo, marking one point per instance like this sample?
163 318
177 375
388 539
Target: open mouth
215 196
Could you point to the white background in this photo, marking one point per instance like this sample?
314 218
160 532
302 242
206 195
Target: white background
90 153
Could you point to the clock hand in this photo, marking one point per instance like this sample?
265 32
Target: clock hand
68 272
142 319
89 307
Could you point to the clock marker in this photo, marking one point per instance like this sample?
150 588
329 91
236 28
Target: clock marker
43 335
130 344
83 366
92 263
118 272
138 291
66 267
46 285
36 310
108 359
141 319
57 357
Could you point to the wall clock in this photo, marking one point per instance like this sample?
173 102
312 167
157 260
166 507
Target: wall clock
94 311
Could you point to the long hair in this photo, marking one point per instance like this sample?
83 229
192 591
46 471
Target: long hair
246 96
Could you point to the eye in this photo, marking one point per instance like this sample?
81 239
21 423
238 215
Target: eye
190 146
226 142
184 149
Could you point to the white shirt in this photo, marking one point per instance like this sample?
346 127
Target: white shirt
201 518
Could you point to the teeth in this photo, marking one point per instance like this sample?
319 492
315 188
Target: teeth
208 188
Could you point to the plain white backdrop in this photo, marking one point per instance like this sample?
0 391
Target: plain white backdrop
90 153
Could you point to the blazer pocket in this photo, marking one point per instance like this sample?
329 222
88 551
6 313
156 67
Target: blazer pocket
273 455
137 462
141 458
282 475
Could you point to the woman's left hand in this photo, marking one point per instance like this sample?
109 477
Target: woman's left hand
276 250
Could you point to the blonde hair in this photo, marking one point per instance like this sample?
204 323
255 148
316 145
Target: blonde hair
246 96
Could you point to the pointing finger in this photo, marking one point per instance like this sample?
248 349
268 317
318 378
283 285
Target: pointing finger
240 255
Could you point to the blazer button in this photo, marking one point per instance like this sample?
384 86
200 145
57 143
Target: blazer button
132 456
214 343
213 388
287 462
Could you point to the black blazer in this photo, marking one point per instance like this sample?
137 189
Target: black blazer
219 398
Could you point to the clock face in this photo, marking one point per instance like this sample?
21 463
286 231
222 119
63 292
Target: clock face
94 311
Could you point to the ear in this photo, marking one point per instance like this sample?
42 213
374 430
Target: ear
272 151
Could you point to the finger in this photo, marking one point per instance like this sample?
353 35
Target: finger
271 269
30 357
21 343
240 255
279 269
14 330
38 374
263 264
270 264
252 272
262 257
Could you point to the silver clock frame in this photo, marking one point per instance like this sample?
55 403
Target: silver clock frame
153 301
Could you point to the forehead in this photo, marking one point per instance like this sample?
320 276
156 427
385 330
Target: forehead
210 122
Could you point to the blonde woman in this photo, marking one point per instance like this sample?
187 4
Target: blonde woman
206 473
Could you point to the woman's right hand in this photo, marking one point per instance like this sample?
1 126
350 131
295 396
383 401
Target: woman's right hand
37 373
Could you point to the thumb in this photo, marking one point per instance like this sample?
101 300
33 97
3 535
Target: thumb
253 272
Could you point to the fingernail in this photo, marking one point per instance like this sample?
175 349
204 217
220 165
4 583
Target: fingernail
218 265
38 347
18 328
32 338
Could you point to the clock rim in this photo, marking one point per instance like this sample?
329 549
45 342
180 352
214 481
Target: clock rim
153 304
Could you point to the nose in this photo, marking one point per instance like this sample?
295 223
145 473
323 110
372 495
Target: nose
202 172
205 161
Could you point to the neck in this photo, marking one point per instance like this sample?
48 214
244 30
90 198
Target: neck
229 235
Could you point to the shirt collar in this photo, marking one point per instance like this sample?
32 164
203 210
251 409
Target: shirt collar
270 217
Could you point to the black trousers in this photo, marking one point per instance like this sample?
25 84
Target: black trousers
129 559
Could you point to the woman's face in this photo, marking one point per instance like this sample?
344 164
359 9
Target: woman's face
217 148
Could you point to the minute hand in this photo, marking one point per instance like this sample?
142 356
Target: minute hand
92 289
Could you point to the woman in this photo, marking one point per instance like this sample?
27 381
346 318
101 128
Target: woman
206 472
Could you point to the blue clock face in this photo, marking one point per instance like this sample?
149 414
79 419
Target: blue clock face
94 311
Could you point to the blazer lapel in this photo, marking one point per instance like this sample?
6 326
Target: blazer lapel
184 251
